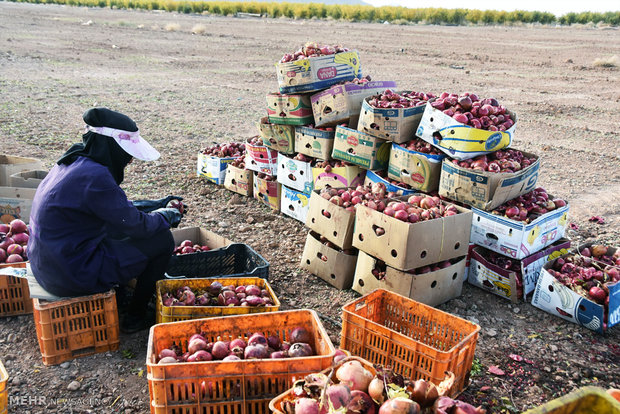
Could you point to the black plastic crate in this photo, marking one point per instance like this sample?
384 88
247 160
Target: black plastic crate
234 260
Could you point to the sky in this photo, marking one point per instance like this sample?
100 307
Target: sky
557 7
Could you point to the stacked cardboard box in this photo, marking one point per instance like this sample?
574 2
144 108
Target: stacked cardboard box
15 195
522 247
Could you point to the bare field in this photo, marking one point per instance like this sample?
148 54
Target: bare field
185 90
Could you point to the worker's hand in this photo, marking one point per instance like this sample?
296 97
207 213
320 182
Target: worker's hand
172 215
147 206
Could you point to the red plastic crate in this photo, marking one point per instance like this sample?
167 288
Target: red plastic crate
417 340
76 327
231 387
14 294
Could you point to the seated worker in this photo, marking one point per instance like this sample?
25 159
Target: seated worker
86 237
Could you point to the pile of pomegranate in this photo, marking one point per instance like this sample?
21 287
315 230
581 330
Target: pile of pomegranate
529 206
351 388
589 272
469 109
502 161
373 196
231 149
312 49
391 99
188 246
329 165
256 347
218 295
422 146
238 162
256 141
418 208
13 242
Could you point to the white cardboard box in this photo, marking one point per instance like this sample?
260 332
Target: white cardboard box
516 239
295 174
295 204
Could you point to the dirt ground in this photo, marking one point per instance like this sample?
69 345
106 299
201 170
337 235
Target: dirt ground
185 90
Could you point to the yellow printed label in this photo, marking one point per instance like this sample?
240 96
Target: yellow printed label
466 139
349 58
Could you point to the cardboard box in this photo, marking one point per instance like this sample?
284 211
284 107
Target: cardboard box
361 149
10 165
27 179
295 204
314 142
239 180
331 221
516 239
291 109
507 283
420 171
343 103
212 168
317 73
406 246
393 124
15 203
200 236
295 174
433 288
339 177
333 266
277 137
373 177
268 192
553 297
485 190
259 158
458 140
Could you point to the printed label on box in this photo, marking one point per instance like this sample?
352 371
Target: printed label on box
394 124
276 136
261 159
458 140
516 239
295 174
239 180
289 109
15 203
361 149
316 73
314 142
342 102
339 177
420 171
268 192
213 168
295 204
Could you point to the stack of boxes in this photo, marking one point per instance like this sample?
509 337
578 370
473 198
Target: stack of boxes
323 113
529 244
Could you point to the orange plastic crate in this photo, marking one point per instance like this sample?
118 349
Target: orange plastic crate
275 405
417 340
14 294
76 327
232 387
4 393
183 313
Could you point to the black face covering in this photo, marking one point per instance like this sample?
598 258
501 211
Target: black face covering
101 148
